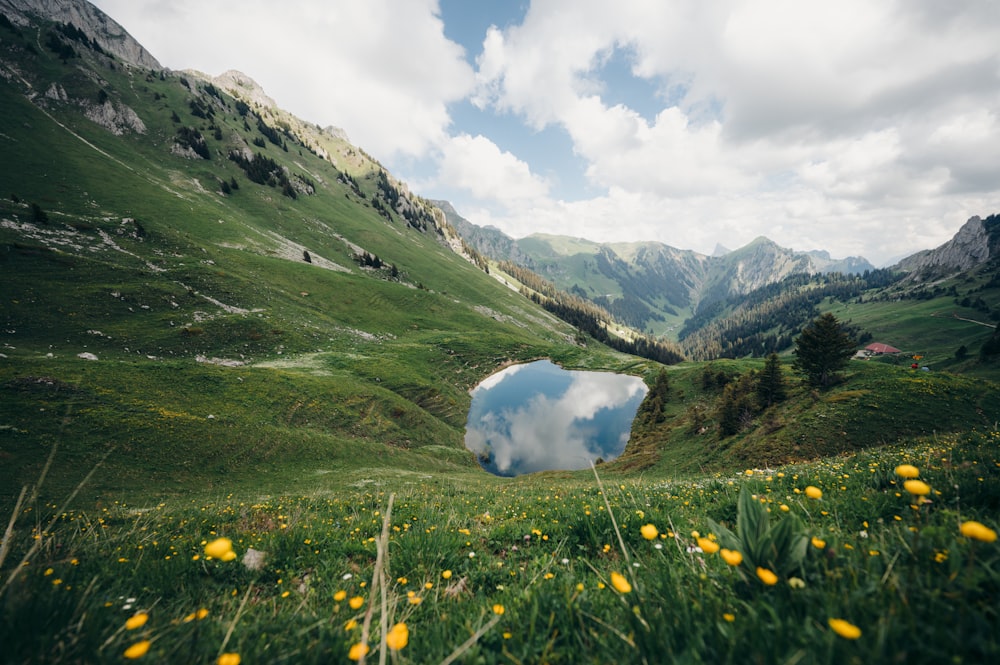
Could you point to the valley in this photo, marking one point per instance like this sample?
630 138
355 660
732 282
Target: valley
218 320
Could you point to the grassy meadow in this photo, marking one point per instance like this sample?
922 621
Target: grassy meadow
838 562
213 450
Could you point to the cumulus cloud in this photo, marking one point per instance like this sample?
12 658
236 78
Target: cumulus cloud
478 165
811 117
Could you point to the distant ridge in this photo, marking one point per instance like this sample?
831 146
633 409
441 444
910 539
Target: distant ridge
650 285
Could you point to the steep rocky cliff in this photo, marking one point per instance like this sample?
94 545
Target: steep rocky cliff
970 247
111 37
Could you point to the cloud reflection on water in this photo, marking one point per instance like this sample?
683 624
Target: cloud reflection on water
539 417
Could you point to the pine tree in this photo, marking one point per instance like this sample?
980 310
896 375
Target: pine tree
771 384
823 348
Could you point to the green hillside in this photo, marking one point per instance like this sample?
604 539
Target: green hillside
235 363
279 326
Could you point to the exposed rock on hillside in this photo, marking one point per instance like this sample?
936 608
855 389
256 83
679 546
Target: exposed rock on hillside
967 249
111 37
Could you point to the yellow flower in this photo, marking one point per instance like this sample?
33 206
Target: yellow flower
201 614
137 650
978 531
350 625
137 620
219 548
356 602
498 609
818 543
814 492
907 471
340 596
397 637
766 576
446 574
649 532
708 546
619 582
358 650
845 629
732 557
228 659
728 616
917 487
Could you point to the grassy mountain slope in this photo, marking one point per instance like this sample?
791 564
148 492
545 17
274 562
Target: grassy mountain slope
311 413
218 345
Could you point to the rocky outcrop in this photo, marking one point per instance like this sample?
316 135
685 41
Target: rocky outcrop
969 248
111 36
117 118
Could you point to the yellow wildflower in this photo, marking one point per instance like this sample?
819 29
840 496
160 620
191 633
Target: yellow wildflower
357 651
917 487
708 546
340 595
446 574
978 531
350 625
356 602
228 659
814 492
907 471
498 609
397 637
766 576
137 620
137 650
619 582
730 617
845 629
201 614
649 532
219 548
818 543
732 557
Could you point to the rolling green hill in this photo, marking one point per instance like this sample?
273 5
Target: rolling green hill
235 362
271 296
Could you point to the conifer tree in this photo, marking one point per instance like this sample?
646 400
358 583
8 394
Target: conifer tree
771 384
823 349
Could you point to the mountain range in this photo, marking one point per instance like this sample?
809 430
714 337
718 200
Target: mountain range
175 246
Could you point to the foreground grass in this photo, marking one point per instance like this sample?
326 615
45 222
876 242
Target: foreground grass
483 569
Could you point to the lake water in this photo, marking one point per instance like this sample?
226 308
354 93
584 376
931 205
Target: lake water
540 417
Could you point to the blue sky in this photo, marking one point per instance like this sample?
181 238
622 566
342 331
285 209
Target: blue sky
861 128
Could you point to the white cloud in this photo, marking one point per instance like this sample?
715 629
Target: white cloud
476 164
857 127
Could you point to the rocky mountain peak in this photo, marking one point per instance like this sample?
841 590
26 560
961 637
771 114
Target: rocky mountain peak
111 36
967 249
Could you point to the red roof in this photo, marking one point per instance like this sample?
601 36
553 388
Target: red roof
879 347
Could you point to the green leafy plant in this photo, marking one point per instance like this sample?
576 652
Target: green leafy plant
779 546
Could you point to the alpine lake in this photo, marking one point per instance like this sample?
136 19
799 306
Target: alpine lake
539 417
